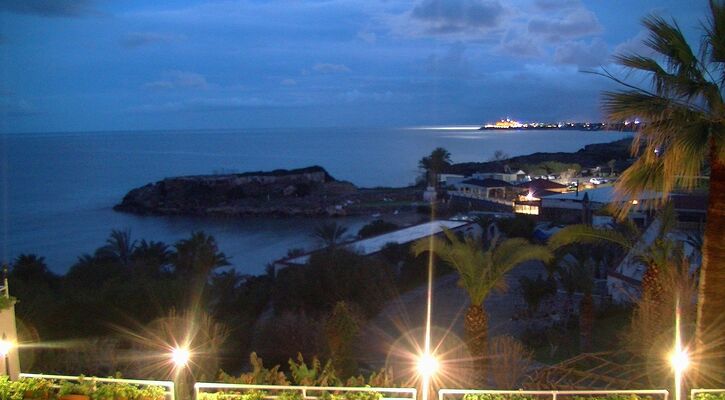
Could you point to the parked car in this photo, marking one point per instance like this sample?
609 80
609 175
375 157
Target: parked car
596 181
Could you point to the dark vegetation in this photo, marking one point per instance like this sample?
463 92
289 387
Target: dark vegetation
591 155
314 308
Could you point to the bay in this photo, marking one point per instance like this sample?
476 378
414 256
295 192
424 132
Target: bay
58 189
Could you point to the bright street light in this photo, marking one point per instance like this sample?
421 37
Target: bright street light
680 360
180 356
427 365
5 347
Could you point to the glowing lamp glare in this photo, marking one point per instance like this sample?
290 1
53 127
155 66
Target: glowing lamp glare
680 360
427 365
180 357
5 347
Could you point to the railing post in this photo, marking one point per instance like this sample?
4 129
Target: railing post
553 395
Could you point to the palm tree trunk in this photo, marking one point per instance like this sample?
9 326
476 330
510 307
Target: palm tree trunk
711 297
476 327
586 322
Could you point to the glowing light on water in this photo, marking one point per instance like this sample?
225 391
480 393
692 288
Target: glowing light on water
447 128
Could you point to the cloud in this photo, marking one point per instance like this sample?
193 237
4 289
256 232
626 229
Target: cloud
451 64
326 68
179 80
367 37
455 16
49 8
555 5
139 39
636 45
519 45
578 23
206 104
582 54
357 96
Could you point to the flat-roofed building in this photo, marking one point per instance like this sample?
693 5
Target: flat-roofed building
375 244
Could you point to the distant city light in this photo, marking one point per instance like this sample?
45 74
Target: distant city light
180 357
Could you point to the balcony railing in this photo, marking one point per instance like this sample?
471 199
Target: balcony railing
552 394
307 392
167 385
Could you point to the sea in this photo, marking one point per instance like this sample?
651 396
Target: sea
57 190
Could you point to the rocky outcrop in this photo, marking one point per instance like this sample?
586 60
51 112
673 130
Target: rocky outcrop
307 191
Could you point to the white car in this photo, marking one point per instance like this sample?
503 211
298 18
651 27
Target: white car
596 181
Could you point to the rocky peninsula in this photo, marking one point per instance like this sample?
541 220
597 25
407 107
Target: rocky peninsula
308 191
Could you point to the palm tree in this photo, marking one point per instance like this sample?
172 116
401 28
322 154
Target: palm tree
330 234
198 255
480 271
31 268
151 257
118 247
684 131
434 164
625 236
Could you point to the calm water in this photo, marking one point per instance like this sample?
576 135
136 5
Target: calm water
57 190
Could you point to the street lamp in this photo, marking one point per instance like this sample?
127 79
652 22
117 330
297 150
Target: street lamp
180 356
427 365
679 359
5 347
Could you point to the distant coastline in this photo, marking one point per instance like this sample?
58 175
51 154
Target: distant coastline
513 125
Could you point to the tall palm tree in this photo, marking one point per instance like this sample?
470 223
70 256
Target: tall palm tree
480 271
684 132
434 164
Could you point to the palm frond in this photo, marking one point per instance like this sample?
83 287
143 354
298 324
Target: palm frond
585 234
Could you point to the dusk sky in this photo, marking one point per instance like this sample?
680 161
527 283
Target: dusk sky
126 65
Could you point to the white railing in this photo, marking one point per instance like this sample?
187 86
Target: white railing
553 394
308 392
167 385
695 392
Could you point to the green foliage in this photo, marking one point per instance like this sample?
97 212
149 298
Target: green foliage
497 396
313 375
536 290
341 330
25 388
260 375
232 395
7 301
151 393
710 396
290 395
377 227
330 277
83 387
481 270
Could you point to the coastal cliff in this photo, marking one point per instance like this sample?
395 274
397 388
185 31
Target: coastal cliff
300 192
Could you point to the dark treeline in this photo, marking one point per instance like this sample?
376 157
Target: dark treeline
128 284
